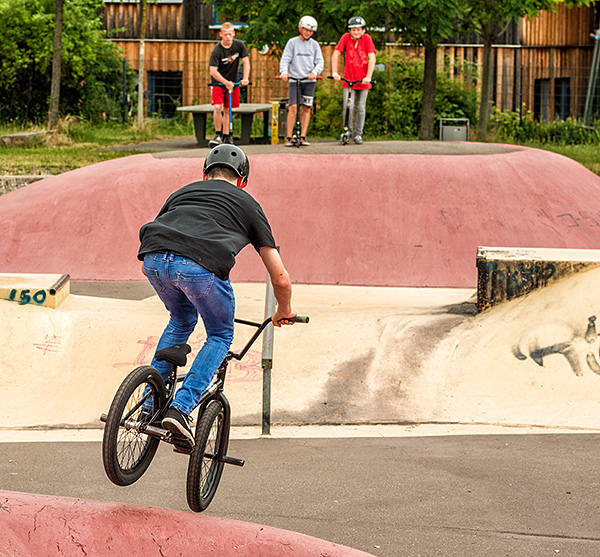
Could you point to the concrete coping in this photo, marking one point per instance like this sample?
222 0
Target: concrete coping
538 254
48 290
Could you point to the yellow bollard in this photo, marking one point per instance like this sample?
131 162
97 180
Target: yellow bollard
274 122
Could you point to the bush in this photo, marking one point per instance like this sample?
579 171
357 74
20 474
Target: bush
91 67
394 102
511 127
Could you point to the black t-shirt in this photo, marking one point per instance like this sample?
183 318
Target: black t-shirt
227 60
209 222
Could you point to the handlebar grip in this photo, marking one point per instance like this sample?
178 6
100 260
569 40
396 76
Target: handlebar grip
298 319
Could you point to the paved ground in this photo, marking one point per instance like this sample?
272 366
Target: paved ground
494 495
188 147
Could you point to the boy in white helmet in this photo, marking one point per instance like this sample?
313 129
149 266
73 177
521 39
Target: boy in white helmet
301 59
359 54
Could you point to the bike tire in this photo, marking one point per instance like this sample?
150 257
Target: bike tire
126 452
204 470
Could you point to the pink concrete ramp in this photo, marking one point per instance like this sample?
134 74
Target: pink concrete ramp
35 525
353 219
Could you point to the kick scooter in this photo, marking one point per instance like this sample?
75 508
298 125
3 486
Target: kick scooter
236 84
347 133
297 132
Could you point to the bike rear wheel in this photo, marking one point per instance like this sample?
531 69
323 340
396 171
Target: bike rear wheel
204 470
126 450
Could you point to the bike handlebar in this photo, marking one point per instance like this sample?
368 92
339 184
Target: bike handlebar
260 328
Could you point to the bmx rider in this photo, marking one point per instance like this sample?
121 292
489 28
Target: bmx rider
188 251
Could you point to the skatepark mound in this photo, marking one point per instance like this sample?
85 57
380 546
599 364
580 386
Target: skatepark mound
46 525
378 219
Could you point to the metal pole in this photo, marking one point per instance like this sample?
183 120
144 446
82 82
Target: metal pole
267 360
124 93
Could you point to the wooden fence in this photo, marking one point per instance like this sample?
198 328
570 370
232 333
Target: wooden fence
551 82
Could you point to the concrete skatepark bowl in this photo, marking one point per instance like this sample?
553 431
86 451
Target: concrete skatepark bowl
381 244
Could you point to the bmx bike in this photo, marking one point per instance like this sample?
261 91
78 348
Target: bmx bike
133 427
297 131
346 134
236 84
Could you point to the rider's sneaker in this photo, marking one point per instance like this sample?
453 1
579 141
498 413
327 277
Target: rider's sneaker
288 142
303 142
178 424
216 140
358 140
228 139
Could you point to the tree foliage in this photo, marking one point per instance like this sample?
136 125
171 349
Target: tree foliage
90 65
489 18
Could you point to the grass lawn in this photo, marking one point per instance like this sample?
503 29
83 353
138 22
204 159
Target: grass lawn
80 144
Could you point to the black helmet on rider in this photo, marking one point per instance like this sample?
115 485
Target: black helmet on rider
356 22
229 156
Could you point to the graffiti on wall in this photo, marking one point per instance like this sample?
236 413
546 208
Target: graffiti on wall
504 281
248 370
580 349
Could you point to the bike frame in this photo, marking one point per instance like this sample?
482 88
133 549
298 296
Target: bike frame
213 392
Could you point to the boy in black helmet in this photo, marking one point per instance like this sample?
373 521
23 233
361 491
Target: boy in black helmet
188 252
359 63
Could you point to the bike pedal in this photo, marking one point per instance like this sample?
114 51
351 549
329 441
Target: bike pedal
183 450
181 445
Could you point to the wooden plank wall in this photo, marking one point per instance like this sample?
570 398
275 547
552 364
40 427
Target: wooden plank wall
164 21
510 82
565 27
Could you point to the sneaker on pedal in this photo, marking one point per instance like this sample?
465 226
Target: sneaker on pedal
216 140
228 139
303 142
358 140
288 142
178 424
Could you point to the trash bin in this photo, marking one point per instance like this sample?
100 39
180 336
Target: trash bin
454 129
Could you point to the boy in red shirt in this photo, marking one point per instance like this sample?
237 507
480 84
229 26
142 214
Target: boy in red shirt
359 53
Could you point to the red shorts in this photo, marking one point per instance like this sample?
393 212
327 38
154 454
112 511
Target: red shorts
220 95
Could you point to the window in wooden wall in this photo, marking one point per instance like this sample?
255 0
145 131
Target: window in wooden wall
562 98
165 93
541 97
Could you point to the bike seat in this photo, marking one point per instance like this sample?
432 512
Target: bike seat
174 354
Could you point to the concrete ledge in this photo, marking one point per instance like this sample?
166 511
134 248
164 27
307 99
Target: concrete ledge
508 273
35 524
24 139
37 290
12 183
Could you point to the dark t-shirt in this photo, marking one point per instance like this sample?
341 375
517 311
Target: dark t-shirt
209 222
227 60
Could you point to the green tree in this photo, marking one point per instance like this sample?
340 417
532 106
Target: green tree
426 23
489 19
419 22
91 67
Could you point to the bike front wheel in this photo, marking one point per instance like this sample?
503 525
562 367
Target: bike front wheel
205 469
126 450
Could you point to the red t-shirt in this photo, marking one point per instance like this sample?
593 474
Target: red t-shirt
356 60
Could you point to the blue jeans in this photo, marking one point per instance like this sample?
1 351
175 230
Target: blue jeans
189 290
